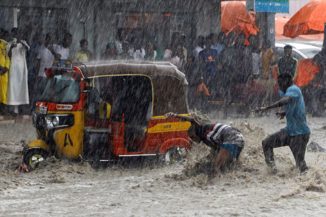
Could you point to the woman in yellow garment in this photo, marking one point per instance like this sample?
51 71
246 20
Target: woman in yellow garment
4 69
83 55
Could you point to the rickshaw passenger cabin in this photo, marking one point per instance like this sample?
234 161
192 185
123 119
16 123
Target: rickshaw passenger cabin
115 109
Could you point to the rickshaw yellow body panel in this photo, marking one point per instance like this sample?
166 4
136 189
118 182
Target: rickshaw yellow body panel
38 143
169 127
69 141
164 133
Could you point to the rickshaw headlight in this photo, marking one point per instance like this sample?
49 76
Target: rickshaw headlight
49 123
55 121
58 121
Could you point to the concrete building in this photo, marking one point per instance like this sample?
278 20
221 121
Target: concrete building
100 21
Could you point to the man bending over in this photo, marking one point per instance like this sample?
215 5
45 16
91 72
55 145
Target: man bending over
225 141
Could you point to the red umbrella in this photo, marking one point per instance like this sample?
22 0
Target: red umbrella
309 19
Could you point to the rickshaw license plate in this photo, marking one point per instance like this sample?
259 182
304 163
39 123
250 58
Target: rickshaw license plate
43 109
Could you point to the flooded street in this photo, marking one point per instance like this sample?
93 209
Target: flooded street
63 188
101 80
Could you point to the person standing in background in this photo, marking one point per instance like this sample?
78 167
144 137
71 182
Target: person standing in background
18 73
83 55
287 63
178 58
32 66
4 69
193 77
183 42
218 44
110 52
150 52
61 52
139 51
226 67
44 56
45 59
268 60
207 63
174 42
200 46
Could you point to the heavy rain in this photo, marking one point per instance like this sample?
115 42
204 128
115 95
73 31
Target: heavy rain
162 108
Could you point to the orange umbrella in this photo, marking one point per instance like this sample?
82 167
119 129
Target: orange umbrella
309 19
280 22
306 72
235 17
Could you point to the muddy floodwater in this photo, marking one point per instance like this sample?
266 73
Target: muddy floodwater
65 188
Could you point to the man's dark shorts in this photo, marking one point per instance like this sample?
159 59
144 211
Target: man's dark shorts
281 138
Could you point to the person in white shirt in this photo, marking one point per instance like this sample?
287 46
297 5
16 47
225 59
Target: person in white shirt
150 52
18 84
200 46
45 59
44 56
61 52
178 58
139 52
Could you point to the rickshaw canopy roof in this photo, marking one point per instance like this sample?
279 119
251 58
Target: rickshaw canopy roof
130 67
169 84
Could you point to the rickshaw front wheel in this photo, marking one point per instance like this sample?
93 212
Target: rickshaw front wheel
33 157
174 155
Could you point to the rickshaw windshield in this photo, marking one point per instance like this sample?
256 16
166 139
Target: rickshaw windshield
60 89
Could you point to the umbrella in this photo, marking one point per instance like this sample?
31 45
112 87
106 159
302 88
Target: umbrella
306 72
307 69
280 22
309 19
235 17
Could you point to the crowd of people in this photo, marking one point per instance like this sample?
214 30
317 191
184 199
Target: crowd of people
217 67
23 64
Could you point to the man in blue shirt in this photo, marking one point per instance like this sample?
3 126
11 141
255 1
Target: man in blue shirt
296 133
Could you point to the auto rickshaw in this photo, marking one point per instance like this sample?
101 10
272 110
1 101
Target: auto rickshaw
104 111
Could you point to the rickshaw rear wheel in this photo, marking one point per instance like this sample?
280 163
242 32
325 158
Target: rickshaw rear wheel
33 157
175 155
